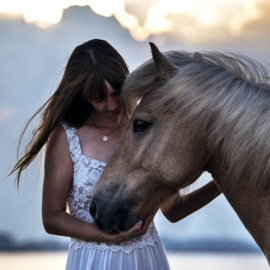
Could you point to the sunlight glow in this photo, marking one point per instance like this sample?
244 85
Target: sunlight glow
231 14
6 113
210 13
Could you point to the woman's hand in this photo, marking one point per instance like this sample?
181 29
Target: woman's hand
138 229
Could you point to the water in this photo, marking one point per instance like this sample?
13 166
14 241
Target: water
208 261
178 261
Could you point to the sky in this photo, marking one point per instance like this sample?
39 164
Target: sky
37 38
192 20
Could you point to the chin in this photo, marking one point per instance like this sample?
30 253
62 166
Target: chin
115 113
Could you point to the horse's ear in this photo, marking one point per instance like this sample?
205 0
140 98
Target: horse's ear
163 65
197 56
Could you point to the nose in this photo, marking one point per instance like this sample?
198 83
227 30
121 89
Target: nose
107 225
115 215
93 210
112 104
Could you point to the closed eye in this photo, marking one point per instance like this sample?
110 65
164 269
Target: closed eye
140 126
116 92
97 100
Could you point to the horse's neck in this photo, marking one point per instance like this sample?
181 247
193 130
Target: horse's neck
252 205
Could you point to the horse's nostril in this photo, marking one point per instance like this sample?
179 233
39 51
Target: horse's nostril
93 210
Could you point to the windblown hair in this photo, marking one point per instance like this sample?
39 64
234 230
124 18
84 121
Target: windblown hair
227 95
89 65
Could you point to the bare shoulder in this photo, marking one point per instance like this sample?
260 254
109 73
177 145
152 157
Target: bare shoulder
57 139
57 150
58 133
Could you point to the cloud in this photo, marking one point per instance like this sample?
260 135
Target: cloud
192 20
260 27
139 8
217 22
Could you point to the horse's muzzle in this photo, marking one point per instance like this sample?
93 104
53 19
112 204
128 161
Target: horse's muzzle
117 215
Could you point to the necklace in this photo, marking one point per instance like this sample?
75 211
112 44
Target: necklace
105 137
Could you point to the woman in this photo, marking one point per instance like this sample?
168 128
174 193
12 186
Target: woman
81 126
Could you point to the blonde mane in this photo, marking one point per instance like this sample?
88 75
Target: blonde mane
226 94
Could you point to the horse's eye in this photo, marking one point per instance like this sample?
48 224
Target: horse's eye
140 125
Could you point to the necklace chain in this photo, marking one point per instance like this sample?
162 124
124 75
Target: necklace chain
105 136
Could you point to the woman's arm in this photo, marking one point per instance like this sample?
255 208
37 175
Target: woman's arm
57 180
182 206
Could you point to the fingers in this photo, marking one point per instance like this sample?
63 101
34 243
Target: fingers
149 218
138 229
146 223
132 232
138 225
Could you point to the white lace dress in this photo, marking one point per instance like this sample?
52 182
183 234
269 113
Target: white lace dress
145 252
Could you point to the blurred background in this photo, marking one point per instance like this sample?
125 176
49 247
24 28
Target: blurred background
37 38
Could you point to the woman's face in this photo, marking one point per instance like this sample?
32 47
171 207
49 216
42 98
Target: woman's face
111 105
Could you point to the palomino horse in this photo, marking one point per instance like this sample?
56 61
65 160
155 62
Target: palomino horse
209 112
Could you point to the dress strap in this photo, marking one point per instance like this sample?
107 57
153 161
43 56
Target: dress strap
73 142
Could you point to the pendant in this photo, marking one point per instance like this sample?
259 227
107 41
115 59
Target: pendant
105 138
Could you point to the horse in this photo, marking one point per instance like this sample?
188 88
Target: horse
204 112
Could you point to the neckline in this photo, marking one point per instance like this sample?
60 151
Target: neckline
79 143
93 158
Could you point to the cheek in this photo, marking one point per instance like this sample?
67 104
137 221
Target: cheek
100 107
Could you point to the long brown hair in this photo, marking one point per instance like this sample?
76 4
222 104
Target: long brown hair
89 65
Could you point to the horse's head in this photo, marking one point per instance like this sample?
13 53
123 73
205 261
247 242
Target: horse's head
157 155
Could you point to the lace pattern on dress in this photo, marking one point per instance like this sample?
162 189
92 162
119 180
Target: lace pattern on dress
86 174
